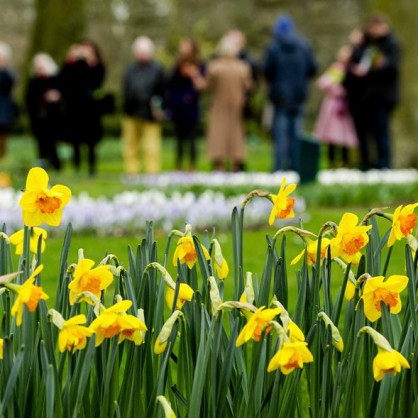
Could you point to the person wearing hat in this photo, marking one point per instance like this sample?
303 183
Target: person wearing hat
289 64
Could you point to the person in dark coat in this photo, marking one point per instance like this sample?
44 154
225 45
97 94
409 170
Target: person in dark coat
43 103
144 87
183 101
7 80
372 85
81 77
289 64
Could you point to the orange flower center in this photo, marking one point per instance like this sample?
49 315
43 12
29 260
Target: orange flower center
353 245
260 327
290 202
90 283
111 330
128 332
407 223
190 252
35 296
47 204
78 338
293 362
386 296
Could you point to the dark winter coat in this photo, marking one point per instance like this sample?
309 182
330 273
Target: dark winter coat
7 109
381 84
183 97
45 117
143 83
289 63
78 82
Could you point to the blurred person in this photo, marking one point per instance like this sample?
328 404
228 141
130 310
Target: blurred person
335 125
183 100
143 104
239 39
43 103
7 109
81 76
228 80
372 85
289 64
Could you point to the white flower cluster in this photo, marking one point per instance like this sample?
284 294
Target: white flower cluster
352 176
127 212
213 179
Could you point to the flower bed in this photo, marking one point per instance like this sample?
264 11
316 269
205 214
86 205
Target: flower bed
186 346
129 211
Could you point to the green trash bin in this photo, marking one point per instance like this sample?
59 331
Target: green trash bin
309 159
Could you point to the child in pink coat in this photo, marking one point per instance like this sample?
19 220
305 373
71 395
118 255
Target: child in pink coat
335 125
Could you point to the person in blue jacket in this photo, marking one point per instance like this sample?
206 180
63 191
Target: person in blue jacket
289 64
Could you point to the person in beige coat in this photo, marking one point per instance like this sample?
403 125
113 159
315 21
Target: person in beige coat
228 79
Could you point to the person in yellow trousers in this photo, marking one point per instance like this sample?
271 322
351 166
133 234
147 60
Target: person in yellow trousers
143 103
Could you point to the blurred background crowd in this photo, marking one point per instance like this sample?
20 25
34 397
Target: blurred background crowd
222 92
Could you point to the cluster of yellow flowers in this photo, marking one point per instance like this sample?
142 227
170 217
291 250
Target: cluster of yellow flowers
42 205
349 237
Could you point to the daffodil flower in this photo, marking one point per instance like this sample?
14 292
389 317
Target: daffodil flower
337 340
387 359
220 265
377 290
115 321
90 280
27 294
404 220
73 335
168 411
282 204
388 362
186 252
1 348
256 324
350 238
162 339
290 356
185 295
312 249
17 240
40 204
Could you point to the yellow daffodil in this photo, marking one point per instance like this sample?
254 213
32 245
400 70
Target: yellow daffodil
90 280
186 252
168 411
40 204
312 248
1 348
72 335
256 324
291 355
377 290
185 294
404 220
27 294
350 290
337 340
282 205
387 359
295 333
164 335
219 263
17 240
115 321
388 362
350 238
